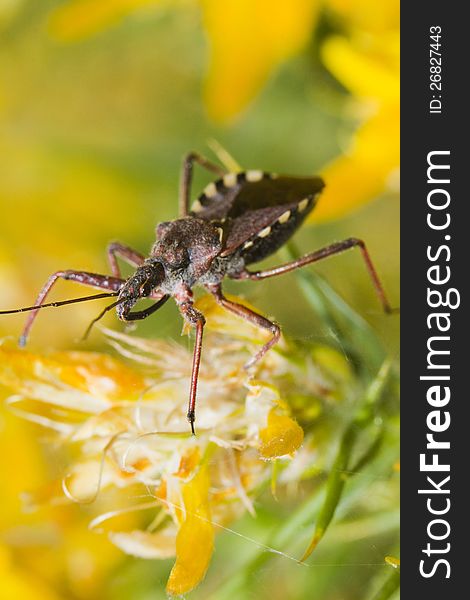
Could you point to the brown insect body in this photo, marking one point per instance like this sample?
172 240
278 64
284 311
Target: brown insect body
238 220
234 223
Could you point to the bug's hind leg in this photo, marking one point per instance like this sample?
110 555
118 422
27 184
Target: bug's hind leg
331 250
187 176
252 317
131 256
100 282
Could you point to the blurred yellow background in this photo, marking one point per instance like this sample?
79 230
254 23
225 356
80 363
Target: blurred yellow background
99 101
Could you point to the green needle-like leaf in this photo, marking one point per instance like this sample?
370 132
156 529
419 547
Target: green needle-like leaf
341 470
389 586
344 323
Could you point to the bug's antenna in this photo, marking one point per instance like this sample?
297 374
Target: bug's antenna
58 303
100 316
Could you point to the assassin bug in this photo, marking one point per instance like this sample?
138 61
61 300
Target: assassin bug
239 219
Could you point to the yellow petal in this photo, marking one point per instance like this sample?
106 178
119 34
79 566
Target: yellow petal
195 539
79 18
366 171
368 70
368 15
248 40
282 436
82 381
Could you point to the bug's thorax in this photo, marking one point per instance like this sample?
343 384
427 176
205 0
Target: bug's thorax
186 248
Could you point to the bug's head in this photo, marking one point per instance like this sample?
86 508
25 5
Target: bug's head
146 280
187 246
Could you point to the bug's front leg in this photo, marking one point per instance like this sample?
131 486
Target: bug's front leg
187 176
100 282
321 254
131 256
252 317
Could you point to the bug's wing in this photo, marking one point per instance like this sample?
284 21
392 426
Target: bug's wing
235 195
263 215
256 212
255 226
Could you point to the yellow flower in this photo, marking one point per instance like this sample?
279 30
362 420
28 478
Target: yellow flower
196 532
367 63
49 542
281 436
127 425
247 48
249 40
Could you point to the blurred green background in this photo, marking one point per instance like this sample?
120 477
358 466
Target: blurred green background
95 117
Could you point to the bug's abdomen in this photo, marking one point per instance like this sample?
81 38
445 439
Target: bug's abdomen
256 212
270 238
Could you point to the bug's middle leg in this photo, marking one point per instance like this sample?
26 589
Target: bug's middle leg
252 317
187 176
327 251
